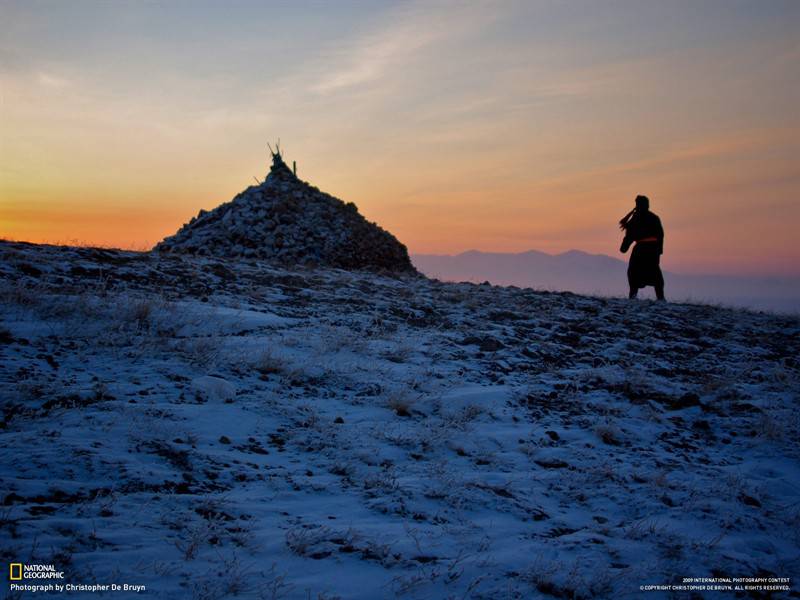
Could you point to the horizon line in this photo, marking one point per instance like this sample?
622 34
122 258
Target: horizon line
614 258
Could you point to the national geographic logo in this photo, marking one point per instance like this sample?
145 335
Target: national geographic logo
30 578
19 571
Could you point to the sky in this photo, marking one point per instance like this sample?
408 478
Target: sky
500 126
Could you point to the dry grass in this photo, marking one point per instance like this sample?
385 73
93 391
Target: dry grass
268 362
301 539
198 535
400 401
609 432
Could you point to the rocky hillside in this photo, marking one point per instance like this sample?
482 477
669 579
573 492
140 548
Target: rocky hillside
289 222
215 428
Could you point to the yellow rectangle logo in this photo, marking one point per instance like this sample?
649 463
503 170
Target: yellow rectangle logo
15 571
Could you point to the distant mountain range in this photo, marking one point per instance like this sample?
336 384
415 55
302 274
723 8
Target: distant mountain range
601 275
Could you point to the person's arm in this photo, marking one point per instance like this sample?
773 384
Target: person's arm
660 236
626 242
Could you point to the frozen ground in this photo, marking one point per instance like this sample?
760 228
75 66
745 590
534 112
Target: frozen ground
222 429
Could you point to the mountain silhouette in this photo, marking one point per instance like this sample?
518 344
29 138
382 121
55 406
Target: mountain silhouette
601 275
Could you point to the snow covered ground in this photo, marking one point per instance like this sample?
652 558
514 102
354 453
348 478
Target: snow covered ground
216 429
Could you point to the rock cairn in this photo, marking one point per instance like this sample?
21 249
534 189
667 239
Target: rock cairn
289 222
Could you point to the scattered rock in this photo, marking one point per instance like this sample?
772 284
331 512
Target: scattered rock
749 500
686 401
210 387
485 344
552 464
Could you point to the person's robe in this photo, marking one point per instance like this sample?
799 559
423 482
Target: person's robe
643 267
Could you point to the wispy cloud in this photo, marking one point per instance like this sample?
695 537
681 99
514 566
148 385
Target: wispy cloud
403 36
373 57
50 80
737 143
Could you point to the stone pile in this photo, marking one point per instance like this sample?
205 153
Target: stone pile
287 221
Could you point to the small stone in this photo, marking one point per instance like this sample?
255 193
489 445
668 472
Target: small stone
749 500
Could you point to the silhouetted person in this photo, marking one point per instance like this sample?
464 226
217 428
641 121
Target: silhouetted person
644 228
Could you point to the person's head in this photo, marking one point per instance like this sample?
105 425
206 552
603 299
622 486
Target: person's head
642 205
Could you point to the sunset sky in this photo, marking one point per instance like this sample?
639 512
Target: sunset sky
498 126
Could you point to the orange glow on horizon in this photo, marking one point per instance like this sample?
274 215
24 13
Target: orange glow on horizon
526 141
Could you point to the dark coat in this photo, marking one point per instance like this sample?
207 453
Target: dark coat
643 268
